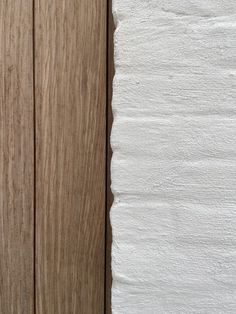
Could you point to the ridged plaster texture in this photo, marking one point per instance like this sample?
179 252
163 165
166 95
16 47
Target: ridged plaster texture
174 157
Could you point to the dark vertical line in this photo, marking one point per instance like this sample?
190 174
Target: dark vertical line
34 136
107 152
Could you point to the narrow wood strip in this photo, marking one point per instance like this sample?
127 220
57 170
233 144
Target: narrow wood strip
70 69
16 158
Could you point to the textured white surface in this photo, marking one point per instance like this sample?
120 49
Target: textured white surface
174 162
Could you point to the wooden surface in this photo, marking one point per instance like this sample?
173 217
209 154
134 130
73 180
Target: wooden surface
110 74
70 66
16 158
68 213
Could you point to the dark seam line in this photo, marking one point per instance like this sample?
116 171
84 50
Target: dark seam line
107 151
34 148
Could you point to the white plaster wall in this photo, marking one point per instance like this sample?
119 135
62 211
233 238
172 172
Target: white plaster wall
174 161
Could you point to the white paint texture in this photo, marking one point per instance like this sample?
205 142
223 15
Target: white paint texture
174 162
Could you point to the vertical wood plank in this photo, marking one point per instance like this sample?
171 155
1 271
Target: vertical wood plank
16 158
110 75
70 56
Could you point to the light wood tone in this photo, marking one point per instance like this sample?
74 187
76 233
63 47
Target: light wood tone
110 75
70 51
16 158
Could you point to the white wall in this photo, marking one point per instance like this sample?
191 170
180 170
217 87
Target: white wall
174 162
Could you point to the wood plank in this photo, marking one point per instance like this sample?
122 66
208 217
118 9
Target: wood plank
71 142
110 75
16 158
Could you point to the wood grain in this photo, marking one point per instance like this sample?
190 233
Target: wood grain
16 158
110 75
70 66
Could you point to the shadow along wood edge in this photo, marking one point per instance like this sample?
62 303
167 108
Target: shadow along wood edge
109 195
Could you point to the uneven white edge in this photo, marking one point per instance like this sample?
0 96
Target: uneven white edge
174 157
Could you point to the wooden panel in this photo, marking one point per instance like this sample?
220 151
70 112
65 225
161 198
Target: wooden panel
110 74
70 52
16 158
